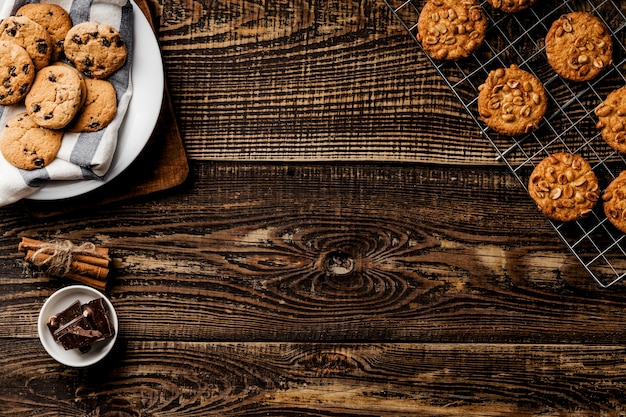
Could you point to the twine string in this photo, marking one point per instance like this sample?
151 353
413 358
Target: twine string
61 254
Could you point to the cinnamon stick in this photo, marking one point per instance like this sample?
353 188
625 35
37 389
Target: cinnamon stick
80 268
91 270
32 244
92 282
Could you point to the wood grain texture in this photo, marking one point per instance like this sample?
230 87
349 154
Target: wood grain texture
316 253
308 80
287 379
345 245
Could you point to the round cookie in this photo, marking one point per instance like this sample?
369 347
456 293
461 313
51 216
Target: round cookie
579 46
56 96
512 101
26 145
16 72
451 29
96 49
99 109
53 18
564 187
30 35
611 115
614 198
511 6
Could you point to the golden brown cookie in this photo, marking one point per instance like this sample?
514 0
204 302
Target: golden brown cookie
564 187
56 96
16 72
99 109
30 35
26 145
53 18
451 29
96 49
579 46
614 198
512 101
611 115
511 6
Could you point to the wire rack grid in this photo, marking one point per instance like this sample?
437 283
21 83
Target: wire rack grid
570 123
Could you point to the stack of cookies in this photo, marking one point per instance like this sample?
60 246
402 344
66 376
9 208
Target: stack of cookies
58 71
513 102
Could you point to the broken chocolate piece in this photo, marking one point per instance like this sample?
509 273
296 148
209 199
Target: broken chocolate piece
64 317
77 334
81 326
97 314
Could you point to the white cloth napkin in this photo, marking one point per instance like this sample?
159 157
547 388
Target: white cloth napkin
84 155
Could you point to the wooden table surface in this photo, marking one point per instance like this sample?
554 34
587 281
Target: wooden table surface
345 244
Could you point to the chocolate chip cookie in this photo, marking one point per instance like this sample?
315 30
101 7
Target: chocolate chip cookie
96 49
99 109
451 29
614 198
27 145
512 101
579 46
30 35
511 6
54 19
56 96
16 73
564 187
611 115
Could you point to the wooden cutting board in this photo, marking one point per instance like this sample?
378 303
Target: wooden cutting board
160 166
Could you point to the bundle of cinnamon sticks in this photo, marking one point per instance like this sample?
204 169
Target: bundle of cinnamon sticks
86 263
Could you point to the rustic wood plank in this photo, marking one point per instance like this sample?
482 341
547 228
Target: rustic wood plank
280 379
308 80
263 252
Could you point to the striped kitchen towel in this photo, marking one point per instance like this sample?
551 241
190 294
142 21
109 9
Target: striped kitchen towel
82 155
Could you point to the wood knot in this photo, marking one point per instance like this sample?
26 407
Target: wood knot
339 263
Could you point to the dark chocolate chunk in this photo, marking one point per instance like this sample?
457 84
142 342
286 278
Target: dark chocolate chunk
80 326
98 315
42 46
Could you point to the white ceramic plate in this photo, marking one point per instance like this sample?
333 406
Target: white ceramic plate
58 302
141 116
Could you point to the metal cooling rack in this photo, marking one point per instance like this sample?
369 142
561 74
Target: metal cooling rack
570 122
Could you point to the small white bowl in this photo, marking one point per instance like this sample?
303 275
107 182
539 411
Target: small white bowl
58 302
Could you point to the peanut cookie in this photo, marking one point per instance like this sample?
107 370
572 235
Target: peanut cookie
27 145
30 35
96 49
99 109
564 187
511 6
512 101
451 29
56 96
54 19
614 198
16 73
612 119
579 46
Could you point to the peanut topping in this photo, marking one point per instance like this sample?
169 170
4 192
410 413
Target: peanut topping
449 30
578 46
611 115
564 186
512 101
